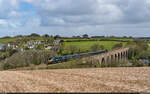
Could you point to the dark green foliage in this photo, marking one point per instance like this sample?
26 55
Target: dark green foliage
139 50
148 64
7 53
136 63
34 35
57 37
46 35
85 36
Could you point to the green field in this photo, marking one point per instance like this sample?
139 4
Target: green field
6 40
86 45
98 39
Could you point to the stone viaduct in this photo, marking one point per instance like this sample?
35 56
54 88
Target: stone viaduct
111 55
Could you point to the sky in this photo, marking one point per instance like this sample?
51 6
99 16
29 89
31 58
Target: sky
75 17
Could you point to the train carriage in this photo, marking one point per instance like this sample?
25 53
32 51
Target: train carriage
74 56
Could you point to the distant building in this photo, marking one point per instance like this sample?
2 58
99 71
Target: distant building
11 45
85 36
30 46
48 47
19 49
41 42
2 46
57 42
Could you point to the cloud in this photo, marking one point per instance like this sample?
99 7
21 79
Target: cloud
70 12
6 6
89 12
79 15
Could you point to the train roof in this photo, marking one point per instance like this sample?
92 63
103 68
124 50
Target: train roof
81 54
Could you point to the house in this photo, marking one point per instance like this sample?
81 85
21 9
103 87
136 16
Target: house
11 45
19 49
85 36
41 42
30 46
2 46
48 47
57 42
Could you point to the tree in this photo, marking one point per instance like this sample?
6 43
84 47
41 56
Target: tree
76 37
19 36
139 49
57 37
72 49
6 37
46 35
39 47
96 47
60 49
35 35
85 36
124 36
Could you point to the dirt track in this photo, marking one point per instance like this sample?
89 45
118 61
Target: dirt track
77 80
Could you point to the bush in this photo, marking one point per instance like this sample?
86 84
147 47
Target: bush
72 49
148 64
116 46
24 59
139 50
96 47
137 63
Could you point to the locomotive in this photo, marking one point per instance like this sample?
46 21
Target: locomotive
65 58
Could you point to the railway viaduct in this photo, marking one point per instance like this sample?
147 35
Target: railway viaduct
116 54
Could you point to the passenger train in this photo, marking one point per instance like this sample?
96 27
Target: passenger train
74 56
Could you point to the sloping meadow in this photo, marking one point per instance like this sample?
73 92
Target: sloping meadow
26 58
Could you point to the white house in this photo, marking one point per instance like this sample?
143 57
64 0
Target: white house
48 47
30 46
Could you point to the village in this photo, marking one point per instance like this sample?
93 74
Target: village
30 45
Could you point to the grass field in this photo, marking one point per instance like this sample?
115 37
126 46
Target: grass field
5 40
82 39
86 45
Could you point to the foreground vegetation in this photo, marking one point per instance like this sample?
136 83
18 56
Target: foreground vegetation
88 63
26 59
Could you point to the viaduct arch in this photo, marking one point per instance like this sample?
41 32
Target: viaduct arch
112 55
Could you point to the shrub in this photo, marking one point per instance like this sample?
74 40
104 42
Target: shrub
96 47
24 59
137 63
72 49
116 46
148 64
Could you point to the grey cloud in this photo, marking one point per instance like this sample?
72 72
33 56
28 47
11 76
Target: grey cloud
80 16
97 12
77 11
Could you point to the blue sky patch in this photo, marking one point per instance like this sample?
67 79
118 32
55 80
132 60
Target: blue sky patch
24 6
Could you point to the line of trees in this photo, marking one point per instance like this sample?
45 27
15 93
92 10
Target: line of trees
86 36
139 49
